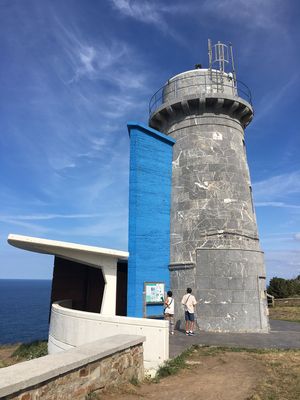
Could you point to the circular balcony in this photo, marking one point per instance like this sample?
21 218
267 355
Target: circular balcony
202 88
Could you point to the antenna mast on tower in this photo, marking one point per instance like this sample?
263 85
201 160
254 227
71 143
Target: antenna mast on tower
220 60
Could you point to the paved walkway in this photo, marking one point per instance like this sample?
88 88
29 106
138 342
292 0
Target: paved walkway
283 335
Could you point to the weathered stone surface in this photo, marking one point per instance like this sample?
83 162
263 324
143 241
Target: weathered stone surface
213 223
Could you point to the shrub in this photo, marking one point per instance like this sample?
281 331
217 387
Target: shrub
28 351
281 288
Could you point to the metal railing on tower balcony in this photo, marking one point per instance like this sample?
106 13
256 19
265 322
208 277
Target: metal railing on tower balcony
176 88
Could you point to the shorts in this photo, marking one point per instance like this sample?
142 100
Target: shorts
189 316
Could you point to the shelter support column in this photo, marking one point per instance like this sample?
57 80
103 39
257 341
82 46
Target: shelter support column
110 290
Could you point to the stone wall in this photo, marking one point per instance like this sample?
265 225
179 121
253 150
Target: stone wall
76 373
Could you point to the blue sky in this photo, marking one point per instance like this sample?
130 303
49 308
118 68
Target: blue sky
72 73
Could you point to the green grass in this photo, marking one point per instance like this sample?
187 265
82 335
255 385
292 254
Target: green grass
91 396
281 380
174 365
134 381
285 313
214 350
171 367
28 351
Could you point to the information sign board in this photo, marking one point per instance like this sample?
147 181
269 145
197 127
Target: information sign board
154 292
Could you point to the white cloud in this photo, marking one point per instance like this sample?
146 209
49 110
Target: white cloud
90 60
254 14
105 228
270 100
44 217
116 106
152 12
297 236
263 14
283 263
110 61
81 137
277 187
26 226
280 240
110 227
143 11
87 56
276 204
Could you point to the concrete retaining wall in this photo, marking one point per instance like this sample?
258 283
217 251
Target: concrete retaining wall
71 328
75 373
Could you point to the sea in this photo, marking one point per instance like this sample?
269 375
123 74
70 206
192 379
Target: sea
24 310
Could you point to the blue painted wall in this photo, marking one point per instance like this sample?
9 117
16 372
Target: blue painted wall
149 214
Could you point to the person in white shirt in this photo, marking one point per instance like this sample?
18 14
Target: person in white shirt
189 303
169 310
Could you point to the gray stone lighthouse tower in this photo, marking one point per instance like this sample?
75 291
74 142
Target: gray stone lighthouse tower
214 240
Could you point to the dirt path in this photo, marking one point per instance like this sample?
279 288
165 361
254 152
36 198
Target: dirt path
6 357
225 376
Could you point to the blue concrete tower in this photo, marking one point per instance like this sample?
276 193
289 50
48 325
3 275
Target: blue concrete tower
149 215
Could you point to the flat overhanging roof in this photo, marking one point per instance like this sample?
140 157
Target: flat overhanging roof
91 255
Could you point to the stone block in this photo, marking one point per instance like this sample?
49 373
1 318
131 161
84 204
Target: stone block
204 283
204 310
83 372
237 284
251 296
220 283
238 296
26 396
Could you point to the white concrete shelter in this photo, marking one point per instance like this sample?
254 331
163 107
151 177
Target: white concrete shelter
71 323
97 257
